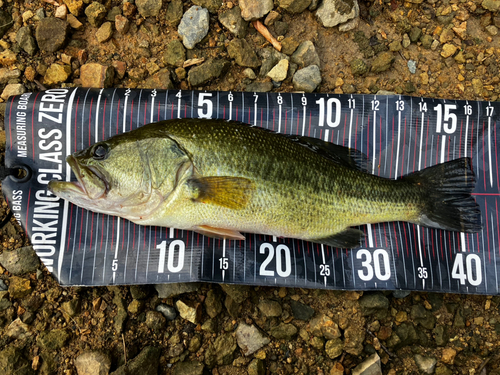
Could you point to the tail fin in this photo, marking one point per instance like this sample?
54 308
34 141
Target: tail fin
447 194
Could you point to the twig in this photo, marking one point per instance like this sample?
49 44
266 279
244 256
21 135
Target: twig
52 2
483 365
192 62
266 34
39 85
124 349
382 346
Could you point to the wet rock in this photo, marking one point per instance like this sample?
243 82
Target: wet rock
56 74
354 336
105 32
423 317
425 364
334 348
188 312
22 260
415 34
238 293
96 75
223 349
96 13
213 304
232 20
53 340
324 326
155 320
121 313
168 312
5 21
212 5
269 308
333 12
12 361
382 62
254 9
289 45
294 6
358 67
189 368
160 80
51 34
148 8
250 338
18 287
26 40
279 72
256 367
174 12
146 362
259 87
242 53
280 28
209 70
307 79
305 55
301 311
284 331
92 363
194 26
174 290
175 54
370 366
7 57
5 76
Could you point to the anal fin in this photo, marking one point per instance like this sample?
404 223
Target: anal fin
349 238
225 191
209 231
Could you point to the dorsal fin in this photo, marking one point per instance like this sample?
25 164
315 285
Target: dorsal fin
345 156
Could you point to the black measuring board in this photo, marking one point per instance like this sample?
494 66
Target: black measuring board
399 135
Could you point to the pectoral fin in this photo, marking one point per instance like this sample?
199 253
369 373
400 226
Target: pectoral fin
230 192
219 232
347 239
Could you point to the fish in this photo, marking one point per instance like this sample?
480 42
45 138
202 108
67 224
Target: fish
224 178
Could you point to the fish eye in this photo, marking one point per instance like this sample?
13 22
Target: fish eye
100 152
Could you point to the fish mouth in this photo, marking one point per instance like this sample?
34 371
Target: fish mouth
97 189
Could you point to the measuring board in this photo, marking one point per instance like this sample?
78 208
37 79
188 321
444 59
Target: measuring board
399 135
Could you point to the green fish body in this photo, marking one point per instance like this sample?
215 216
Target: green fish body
221 178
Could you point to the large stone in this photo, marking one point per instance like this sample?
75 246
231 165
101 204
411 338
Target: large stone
175 54
56 74
279 72
19 287
284 331
92 363
334 348
270 308
26 40
232 20
20 261
250 338
333 12
213 304
96 75
13 89
301 311
174 12
51 34
6 75
194 26
305 55
160 80
96 13
13 362
491 5
224 347
242 53
146 362
294 6
105 32
207 71
254 9
370 366
189 368
53 340
74 6
307 79
148 8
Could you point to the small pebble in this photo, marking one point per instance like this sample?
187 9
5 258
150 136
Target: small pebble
412 66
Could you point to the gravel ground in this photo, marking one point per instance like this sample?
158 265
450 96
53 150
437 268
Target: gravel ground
442 49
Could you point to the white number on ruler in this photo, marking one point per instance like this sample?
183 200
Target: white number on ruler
422 272
324 270
472 263
304 100
280 99
375 105
114 266
256 98
230 97
176 247
223 263
127 92
179 94
422 106
153 93
489 111
379 256
329 110
204 101
400 105
283 260
352 103
467 109
448 120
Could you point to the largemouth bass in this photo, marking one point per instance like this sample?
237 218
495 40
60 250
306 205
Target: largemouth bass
221 178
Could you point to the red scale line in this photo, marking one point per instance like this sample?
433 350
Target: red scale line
380 143
484 165
404 147
345 126
368 137
487 229
102 233
117 116
104 119
76 116
91 232
131 113
498 225
70 224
